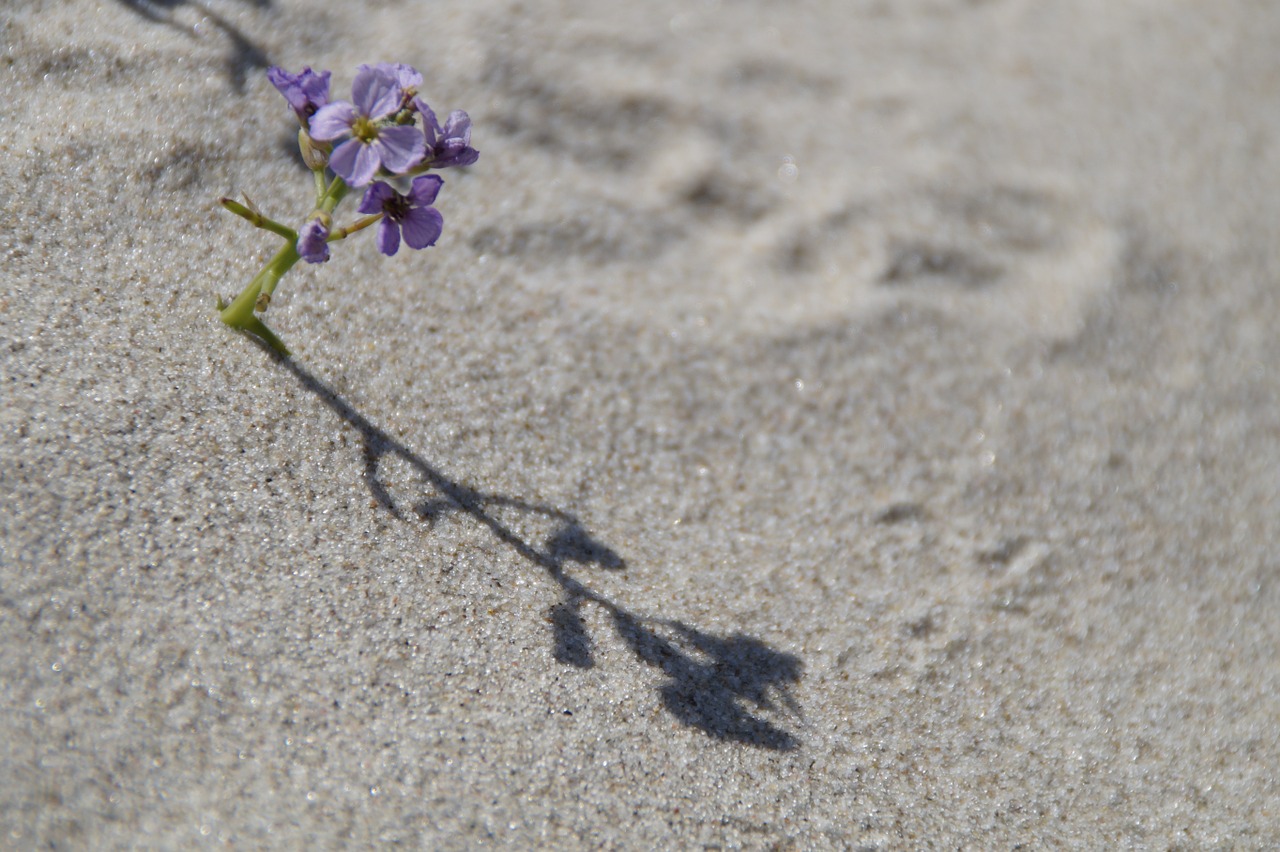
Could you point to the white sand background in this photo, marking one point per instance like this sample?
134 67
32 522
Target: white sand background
822 424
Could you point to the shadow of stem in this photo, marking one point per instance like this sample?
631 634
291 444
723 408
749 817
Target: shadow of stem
715 684
245 56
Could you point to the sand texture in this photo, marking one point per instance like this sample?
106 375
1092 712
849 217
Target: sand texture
823 424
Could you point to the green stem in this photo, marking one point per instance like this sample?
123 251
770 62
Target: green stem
358 225
258 219
321 189
240 313
335 193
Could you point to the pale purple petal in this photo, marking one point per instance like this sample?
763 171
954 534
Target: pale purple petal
313 245
376 197
422 227
388 237
285 83
315 86
375 93
305 91
343 159
400 148
462 157
425 189
332 121
408 77
365 167
355 162
458 126
455 149
430 126
449 145
405 75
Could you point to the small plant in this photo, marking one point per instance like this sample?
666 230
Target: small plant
384 139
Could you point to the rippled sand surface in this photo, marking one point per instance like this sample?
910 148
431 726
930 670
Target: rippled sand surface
825 424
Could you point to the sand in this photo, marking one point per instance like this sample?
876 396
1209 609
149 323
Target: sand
821 425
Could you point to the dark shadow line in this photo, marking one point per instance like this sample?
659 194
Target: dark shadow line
710 679
245 56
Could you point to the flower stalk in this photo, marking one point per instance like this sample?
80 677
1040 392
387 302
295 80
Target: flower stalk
388 131
256 296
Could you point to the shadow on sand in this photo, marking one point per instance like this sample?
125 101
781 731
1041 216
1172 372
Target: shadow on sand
718 685
244 58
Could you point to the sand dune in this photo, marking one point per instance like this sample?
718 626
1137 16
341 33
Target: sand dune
820 425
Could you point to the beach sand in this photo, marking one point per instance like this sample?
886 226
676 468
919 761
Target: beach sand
821 424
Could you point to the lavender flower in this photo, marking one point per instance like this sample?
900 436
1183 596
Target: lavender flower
449 145
369 143
313 242
411 213
364 142
305 91
406 76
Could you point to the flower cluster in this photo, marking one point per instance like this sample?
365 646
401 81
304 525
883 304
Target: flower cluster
384 139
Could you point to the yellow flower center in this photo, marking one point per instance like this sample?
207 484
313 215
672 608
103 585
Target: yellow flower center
364 130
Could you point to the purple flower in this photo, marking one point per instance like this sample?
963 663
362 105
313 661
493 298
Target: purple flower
305 91
370 144
411 213
313 242
406 76
449 145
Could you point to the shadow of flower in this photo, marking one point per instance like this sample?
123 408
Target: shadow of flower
245 56
715 684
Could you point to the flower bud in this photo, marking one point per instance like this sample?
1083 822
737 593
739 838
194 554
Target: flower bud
314 154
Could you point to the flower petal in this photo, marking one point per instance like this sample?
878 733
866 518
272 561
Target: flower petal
430 125
422 227
458 126
425 189
343 159
376 197
453 147
400 148
365 167
305 91
388 237
287 85
375 92
405 75
313 243
332 121
315 86
280 78
461 157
